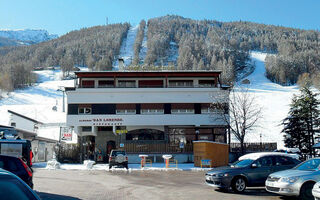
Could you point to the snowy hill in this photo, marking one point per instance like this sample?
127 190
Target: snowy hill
28 36
273 98
126 50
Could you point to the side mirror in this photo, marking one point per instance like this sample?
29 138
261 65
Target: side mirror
254 165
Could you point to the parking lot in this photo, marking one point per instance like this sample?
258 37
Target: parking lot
78 184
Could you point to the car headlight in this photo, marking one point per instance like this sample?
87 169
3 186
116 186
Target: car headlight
222 175
289 179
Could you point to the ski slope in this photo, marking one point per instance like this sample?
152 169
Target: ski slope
273 98
126 49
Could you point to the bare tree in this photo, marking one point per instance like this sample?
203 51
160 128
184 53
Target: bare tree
241 114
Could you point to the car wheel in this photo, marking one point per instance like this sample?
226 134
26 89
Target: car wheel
239 184
306 191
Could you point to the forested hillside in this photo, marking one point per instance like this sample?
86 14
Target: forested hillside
209 44
197 44
94 47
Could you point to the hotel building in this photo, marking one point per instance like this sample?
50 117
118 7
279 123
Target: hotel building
147 112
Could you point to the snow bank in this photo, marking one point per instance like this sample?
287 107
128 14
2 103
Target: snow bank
90 165
53 164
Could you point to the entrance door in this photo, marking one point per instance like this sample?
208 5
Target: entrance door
42 151
110 145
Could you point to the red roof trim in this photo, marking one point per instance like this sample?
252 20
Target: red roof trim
147 74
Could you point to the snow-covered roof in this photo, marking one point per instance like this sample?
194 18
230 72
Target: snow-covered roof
255 156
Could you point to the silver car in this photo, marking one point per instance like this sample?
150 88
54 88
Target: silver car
297 181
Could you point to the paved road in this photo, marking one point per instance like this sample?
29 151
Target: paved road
102 185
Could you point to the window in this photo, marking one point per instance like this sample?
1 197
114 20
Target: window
150 83
152 108
126 109
180 83
264 162
206 108
86 128
207 83
126 112
105 84
73 109
152 111
87 83
282 160
13 124
182 111
145 134
127 84
219 108
182 108
177 135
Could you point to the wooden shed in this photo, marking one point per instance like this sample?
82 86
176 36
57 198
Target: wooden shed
217 152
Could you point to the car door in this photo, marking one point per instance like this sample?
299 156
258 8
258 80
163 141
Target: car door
260 170
283 163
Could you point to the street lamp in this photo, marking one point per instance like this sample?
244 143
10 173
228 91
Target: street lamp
61 89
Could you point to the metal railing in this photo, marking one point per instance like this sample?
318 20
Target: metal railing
188 148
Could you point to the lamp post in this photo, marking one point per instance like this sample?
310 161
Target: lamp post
61 89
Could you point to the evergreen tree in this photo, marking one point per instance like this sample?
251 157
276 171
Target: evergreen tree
302 125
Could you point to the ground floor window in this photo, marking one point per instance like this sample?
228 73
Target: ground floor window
145 134
188 135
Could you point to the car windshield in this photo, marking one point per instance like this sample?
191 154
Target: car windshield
310 165
115 153
242 163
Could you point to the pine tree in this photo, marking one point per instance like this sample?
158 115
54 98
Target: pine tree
302 124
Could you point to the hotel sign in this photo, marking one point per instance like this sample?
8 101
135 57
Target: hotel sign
104 121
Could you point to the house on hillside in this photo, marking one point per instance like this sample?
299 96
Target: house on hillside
146 112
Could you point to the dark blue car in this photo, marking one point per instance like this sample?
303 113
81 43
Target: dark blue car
250 170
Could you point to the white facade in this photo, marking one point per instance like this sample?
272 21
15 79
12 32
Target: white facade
154 108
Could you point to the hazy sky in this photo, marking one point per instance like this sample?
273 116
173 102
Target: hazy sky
62 16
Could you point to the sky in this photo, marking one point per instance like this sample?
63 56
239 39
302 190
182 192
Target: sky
62 16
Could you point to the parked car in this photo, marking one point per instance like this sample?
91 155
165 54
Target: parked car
118 158
13 188
17 147
250 170
298 181
17 167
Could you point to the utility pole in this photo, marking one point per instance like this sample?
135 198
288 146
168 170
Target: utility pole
61 89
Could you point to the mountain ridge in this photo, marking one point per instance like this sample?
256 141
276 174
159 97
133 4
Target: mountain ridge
27 36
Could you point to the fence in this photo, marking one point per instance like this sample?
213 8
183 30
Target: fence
253 147
188 148
157 148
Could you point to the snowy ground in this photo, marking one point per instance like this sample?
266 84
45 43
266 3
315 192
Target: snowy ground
273 98
132 167
143 50
126 50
